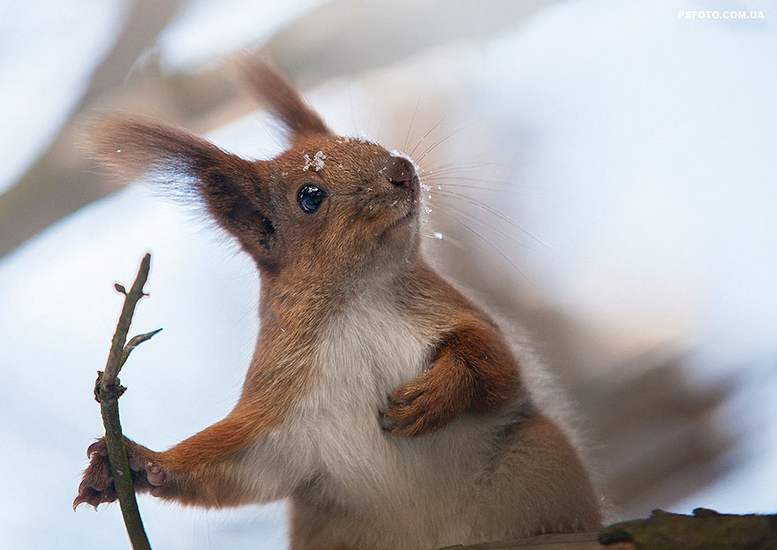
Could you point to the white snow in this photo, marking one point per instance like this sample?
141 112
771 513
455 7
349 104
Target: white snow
316 163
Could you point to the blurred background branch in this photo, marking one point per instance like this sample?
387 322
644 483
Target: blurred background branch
57 183
318 45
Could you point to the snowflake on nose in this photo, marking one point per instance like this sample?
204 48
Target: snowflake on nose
316 163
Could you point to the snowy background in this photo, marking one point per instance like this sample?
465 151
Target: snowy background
636 148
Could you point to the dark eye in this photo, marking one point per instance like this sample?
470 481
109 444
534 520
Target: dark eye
310 197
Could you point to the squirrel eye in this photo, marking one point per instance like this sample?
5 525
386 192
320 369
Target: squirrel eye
310 197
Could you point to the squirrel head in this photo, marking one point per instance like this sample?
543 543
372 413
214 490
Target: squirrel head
329 206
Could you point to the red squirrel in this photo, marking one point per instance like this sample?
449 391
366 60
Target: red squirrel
386 406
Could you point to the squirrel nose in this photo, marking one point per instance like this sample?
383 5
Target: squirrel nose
403 181
402 173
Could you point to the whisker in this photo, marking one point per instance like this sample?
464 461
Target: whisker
456 168
379 131
485 225
264 127
353 116
454 171
429 132
482 187
474 171
492 186
443 238
489 243
440 141
445 178
372 112
478 204
470 164
436 236
410 128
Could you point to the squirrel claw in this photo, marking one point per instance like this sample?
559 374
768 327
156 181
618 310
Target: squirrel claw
403 417
417 408
155 474
97 485
80 499
385 423
96 449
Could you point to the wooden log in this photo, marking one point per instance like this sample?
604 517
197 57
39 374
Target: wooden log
572 541
704 530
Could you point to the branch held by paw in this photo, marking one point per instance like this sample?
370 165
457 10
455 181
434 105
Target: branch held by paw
107 392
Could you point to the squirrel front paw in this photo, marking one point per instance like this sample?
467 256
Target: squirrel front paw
97 482
419 407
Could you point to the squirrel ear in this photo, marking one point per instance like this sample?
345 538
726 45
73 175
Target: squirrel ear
271 87
232 188
172 157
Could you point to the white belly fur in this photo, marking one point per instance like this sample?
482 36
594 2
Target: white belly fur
397 487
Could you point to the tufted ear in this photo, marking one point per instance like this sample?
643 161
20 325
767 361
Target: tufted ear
132 147
273 90
230 186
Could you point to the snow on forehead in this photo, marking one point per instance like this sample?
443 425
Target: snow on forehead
315 163
335 149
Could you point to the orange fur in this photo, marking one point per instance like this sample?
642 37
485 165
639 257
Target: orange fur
314 266
472 371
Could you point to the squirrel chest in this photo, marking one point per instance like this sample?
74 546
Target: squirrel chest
364 351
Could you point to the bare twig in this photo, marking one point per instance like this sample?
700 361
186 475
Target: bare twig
107 392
